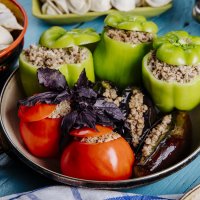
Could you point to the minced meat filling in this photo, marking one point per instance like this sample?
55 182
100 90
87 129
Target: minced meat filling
111 96
132 37
62 109
136 115
156 133
100 139
45 57
170 73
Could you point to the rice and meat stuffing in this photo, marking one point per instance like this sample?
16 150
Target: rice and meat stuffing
40 56
132 37
170 73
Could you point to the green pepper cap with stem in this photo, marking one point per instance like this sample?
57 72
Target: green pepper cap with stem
178 48
58 37
130 22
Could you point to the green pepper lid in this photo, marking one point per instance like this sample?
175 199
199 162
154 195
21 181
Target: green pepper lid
57 37
130 22
178 48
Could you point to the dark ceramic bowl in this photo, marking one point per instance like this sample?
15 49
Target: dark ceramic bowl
9 56
12 92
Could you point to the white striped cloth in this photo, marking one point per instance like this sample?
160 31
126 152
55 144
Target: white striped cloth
73 193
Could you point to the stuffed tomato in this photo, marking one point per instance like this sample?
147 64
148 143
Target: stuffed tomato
97 155
40 127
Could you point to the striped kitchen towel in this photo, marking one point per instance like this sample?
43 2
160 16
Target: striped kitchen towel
73 193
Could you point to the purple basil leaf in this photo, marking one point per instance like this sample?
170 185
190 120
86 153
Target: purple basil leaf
64 95
86 92
46 97
86 119
68 122
104 120
109 108
67 125
83 80
51 79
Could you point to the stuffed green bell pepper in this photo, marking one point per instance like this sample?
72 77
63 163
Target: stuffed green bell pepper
125 40
60 50
171 72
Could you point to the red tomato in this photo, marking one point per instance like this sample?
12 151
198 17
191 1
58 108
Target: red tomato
106 161
89 132
36 112
41 137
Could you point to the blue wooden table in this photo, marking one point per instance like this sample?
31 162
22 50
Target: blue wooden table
16 177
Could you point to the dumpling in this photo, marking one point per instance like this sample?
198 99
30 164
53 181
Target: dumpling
79 6
5 39
157 3
54 7
100 5
140 2
50 9
123 5
47 9
61 5
3 46
7 19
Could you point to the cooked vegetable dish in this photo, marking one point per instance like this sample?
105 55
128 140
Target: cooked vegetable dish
117 127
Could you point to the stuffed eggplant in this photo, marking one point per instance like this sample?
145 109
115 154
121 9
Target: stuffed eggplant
140 115
167 142
136 106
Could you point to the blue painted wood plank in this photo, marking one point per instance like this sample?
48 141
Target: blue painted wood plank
178 18
179 182
16 177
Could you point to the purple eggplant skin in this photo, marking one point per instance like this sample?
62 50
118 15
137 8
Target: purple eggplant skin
170 151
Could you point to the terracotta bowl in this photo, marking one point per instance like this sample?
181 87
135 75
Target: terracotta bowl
9 56
12 92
